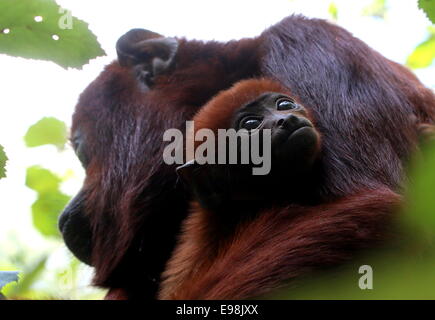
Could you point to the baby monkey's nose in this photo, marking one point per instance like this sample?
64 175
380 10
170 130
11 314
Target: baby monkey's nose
292 122
288 122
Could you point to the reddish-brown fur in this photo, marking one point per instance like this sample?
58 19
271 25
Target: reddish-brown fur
212 115
361 101
276 247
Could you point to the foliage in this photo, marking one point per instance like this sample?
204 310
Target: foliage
395 276
3 159
29 275
47 131
333 11
428 6
50 201
39 29
424 54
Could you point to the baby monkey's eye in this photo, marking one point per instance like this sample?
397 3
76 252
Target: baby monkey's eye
285 104
250 123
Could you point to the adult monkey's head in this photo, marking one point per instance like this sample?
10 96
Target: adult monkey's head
124 220
116 135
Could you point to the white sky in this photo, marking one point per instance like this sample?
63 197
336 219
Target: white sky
34 89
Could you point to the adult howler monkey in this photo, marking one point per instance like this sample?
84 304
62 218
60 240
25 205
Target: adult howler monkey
125 219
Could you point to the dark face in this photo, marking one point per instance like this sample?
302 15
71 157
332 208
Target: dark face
294 140
294 149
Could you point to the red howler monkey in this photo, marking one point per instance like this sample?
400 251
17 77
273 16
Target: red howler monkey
125 220
248 234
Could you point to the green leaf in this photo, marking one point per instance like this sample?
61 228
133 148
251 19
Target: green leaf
428 6
333 11
7 277
42 180
424 55
47 131
50 202
3 159
23 34
46 210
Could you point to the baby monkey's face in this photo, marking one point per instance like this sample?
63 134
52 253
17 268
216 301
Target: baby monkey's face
294 139
288 151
